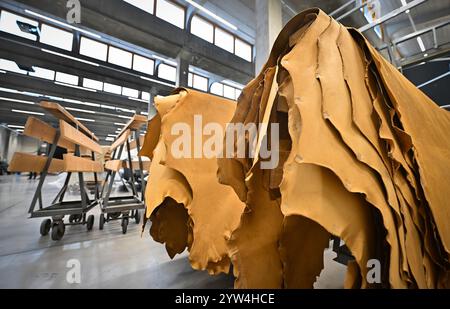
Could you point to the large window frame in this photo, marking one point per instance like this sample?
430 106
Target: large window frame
216 26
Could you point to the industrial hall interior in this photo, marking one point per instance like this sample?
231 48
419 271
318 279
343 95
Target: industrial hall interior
239 144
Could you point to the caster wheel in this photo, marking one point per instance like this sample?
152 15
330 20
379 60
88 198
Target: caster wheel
58 231
137 217
78 218
46 225
90 223
101 222
71 218
124 225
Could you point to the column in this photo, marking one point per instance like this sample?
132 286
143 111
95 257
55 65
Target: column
269 22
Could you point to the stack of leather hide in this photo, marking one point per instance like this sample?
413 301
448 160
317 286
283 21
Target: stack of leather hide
363 155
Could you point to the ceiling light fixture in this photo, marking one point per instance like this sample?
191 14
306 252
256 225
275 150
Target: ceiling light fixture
80 110
63 24
421 45
17 101
27 112
84 119
218 18
16 127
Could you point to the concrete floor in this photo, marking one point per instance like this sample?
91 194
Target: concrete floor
108 259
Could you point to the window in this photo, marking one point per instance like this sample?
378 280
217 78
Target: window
224 40
238 93
92 84
217 89
120 57
167 72
43 73
93 49
145 96
128 92
198 82
243 50
145 5
144 65
170 12
8 23
11 66
229 92
112 88
56 37
66 78
202 28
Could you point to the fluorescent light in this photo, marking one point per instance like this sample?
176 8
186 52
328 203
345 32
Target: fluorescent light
9 90
31 94
144 113
18 101
112 135
124 117
27 112
223 21
76 87
89 104
139 100
84 119
80 110
63 24
421 45
109 139
120 124
16 127
157 81
3 72
69 57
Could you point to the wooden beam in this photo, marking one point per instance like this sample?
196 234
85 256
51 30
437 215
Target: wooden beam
136 167
113 165
62 114
135 123
73 135
121 140
25 162
77 164
40 130
133 144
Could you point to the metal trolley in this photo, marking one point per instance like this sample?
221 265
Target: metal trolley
127 207
70 135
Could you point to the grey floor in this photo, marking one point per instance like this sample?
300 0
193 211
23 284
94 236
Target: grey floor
108 259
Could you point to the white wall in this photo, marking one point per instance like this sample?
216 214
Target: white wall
11 142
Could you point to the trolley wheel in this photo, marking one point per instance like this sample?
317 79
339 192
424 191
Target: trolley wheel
90 223
101 222
124 225
46 225
71 218
58 231
137 217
